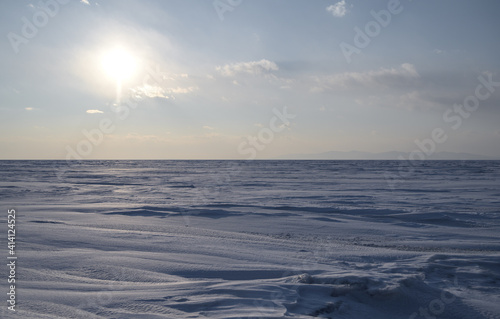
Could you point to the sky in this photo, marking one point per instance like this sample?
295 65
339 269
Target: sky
241 79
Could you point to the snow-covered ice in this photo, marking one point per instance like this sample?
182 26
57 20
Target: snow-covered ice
254 239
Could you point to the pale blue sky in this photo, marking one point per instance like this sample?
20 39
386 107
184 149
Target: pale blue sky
219 81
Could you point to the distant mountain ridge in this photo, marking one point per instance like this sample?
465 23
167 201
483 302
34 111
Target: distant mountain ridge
358 155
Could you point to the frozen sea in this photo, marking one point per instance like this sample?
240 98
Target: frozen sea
253 239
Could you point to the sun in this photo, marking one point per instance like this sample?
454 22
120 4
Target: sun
119 64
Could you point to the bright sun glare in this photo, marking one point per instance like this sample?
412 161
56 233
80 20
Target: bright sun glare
119 64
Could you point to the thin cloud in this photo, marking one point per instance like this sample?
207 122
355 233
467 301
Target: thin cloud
182 90
413 100
85 2
151 91
29 108
383 77
94 112
252 67
338 10
156 91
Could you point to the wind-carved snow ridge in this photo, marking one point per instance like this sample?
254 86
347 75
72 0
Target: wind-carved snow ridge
270 239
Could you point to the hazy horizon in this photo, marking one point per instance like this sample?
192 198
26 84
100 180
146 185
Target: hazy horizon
325 156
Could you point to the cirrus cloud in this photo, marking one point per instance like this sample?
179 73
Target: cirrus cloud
383 77
252 67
